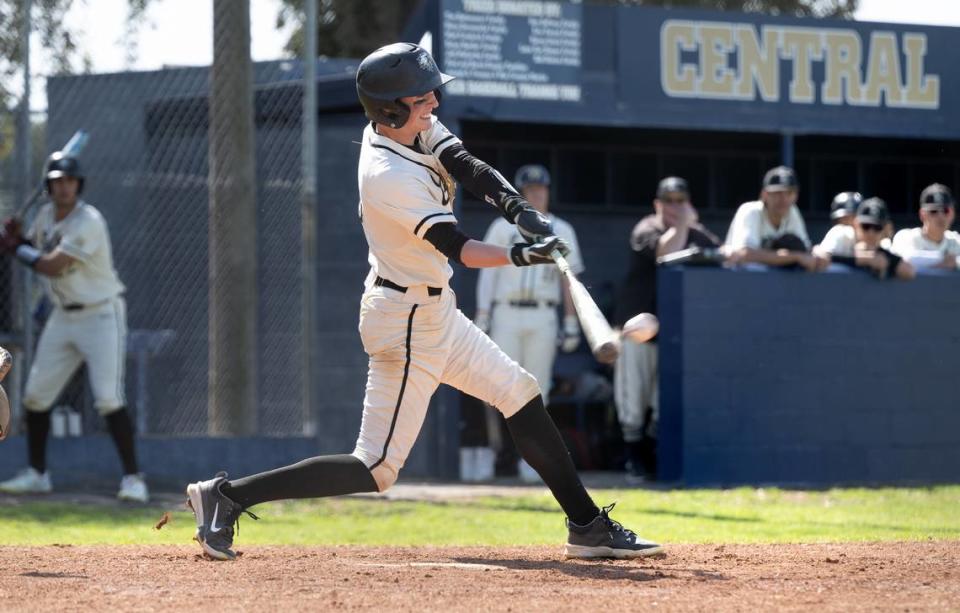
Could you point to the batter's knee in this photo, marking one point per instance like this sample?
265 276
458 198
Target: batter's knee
518 393
383 474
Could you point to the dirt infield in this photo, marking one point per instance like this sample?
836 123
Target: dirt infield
847 577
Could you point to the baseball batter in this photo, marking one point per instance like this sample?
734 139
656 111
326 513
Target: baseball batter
410 326
68 245
518 306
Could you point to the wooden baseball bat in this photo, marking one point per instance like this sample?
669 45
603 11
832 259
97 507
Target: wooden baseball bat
603 341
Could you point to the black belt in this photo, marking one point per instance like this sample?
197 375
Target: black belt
76 306
381 282
532 304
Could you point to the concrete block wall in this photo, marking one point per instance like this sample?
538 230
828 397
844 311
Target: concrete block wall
790 378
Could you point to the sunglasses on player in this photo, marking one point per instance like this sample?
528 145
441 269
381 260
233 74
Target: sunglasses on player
944 211
871 227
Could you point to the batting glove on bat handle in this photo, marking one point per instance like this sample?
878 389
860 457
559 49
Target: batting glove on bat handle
525 254
533 225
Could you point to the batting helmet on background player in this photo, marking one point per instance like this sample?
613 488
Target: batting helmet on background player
60 165
394 72
844 204
532 174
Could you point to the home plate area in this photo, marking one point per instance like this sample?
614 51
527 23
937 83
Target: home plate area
829 577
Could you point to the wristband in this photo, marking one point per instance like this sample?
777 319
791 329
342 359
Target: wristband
516 255
28 254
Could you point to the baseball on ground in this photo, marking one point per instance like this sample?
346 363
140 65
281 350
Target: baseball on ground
641 328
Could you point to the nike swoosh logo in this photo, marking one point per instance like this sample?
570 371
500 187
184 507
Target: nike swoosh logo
213 523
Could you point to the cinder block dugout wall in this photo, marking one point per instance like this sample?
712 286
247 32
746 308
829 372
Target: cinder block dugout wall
789 378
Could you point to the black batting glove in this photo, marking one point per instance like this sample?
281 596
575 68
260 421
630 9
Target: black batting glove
525 254
533 225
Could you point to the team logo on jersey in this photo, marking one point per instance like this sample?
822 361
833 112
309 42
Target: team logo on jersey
447 185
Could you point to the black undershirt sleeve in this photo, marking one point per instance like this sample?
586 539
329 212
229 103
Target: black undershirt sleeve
849 260
482 180
893 260
447 239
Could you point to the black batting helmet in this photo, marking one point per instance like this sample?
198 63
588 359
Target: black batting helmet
844 204
61 165
394 72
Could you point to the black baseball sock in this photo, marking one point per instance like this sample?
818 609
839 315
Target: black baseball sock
539 442
317 477
38 429
121 429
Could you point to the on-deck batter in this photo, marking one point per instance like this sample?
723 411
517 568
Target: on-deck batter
410 325
69 246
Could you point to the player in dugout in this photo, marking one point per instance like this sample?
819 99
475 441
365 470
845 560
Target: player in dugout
771 230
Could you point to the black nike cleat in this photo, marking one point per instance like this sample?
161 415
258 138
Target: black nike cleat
216 515
606 538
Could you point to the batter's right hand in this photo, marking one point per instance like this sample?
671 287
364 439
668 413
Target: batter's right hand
525 254
12 236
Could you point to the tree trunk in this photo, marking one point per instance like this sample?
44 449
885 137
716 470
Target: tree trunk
232 378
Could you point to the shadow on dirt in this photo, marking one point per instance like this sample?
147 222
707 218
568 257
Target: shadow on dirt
39 575
614 570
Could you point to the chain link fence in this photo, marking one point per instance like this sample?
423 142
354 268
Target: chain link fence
192 308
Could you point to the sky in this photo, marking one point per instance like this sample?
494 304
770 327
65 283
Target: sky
179 32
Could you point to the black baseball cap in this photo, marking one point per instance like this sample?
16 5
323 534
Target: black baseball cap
845 203
532 174
670 185
780 179
873 211
936 196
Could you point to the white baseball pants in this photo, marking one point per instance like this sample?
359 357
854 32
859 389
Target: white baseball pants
636 387
97 336
529 336
415 343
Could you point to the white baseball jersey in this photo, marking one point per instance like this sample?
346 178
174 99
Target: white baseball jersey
841 239
416 339
541 283
403 193
752 228
89 323
83 235
915 247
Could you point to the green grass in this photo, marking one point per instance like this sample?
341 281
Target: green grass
744 515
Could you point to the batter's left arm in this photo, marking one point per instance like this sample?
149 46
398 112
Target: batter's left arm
484 182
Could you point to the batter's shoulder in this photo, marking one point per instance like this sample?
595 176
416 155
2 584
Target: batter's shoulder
90 213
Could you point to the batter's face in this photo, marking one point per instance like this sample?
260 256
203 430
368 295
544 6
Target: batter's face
421 111
63 191
538 195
